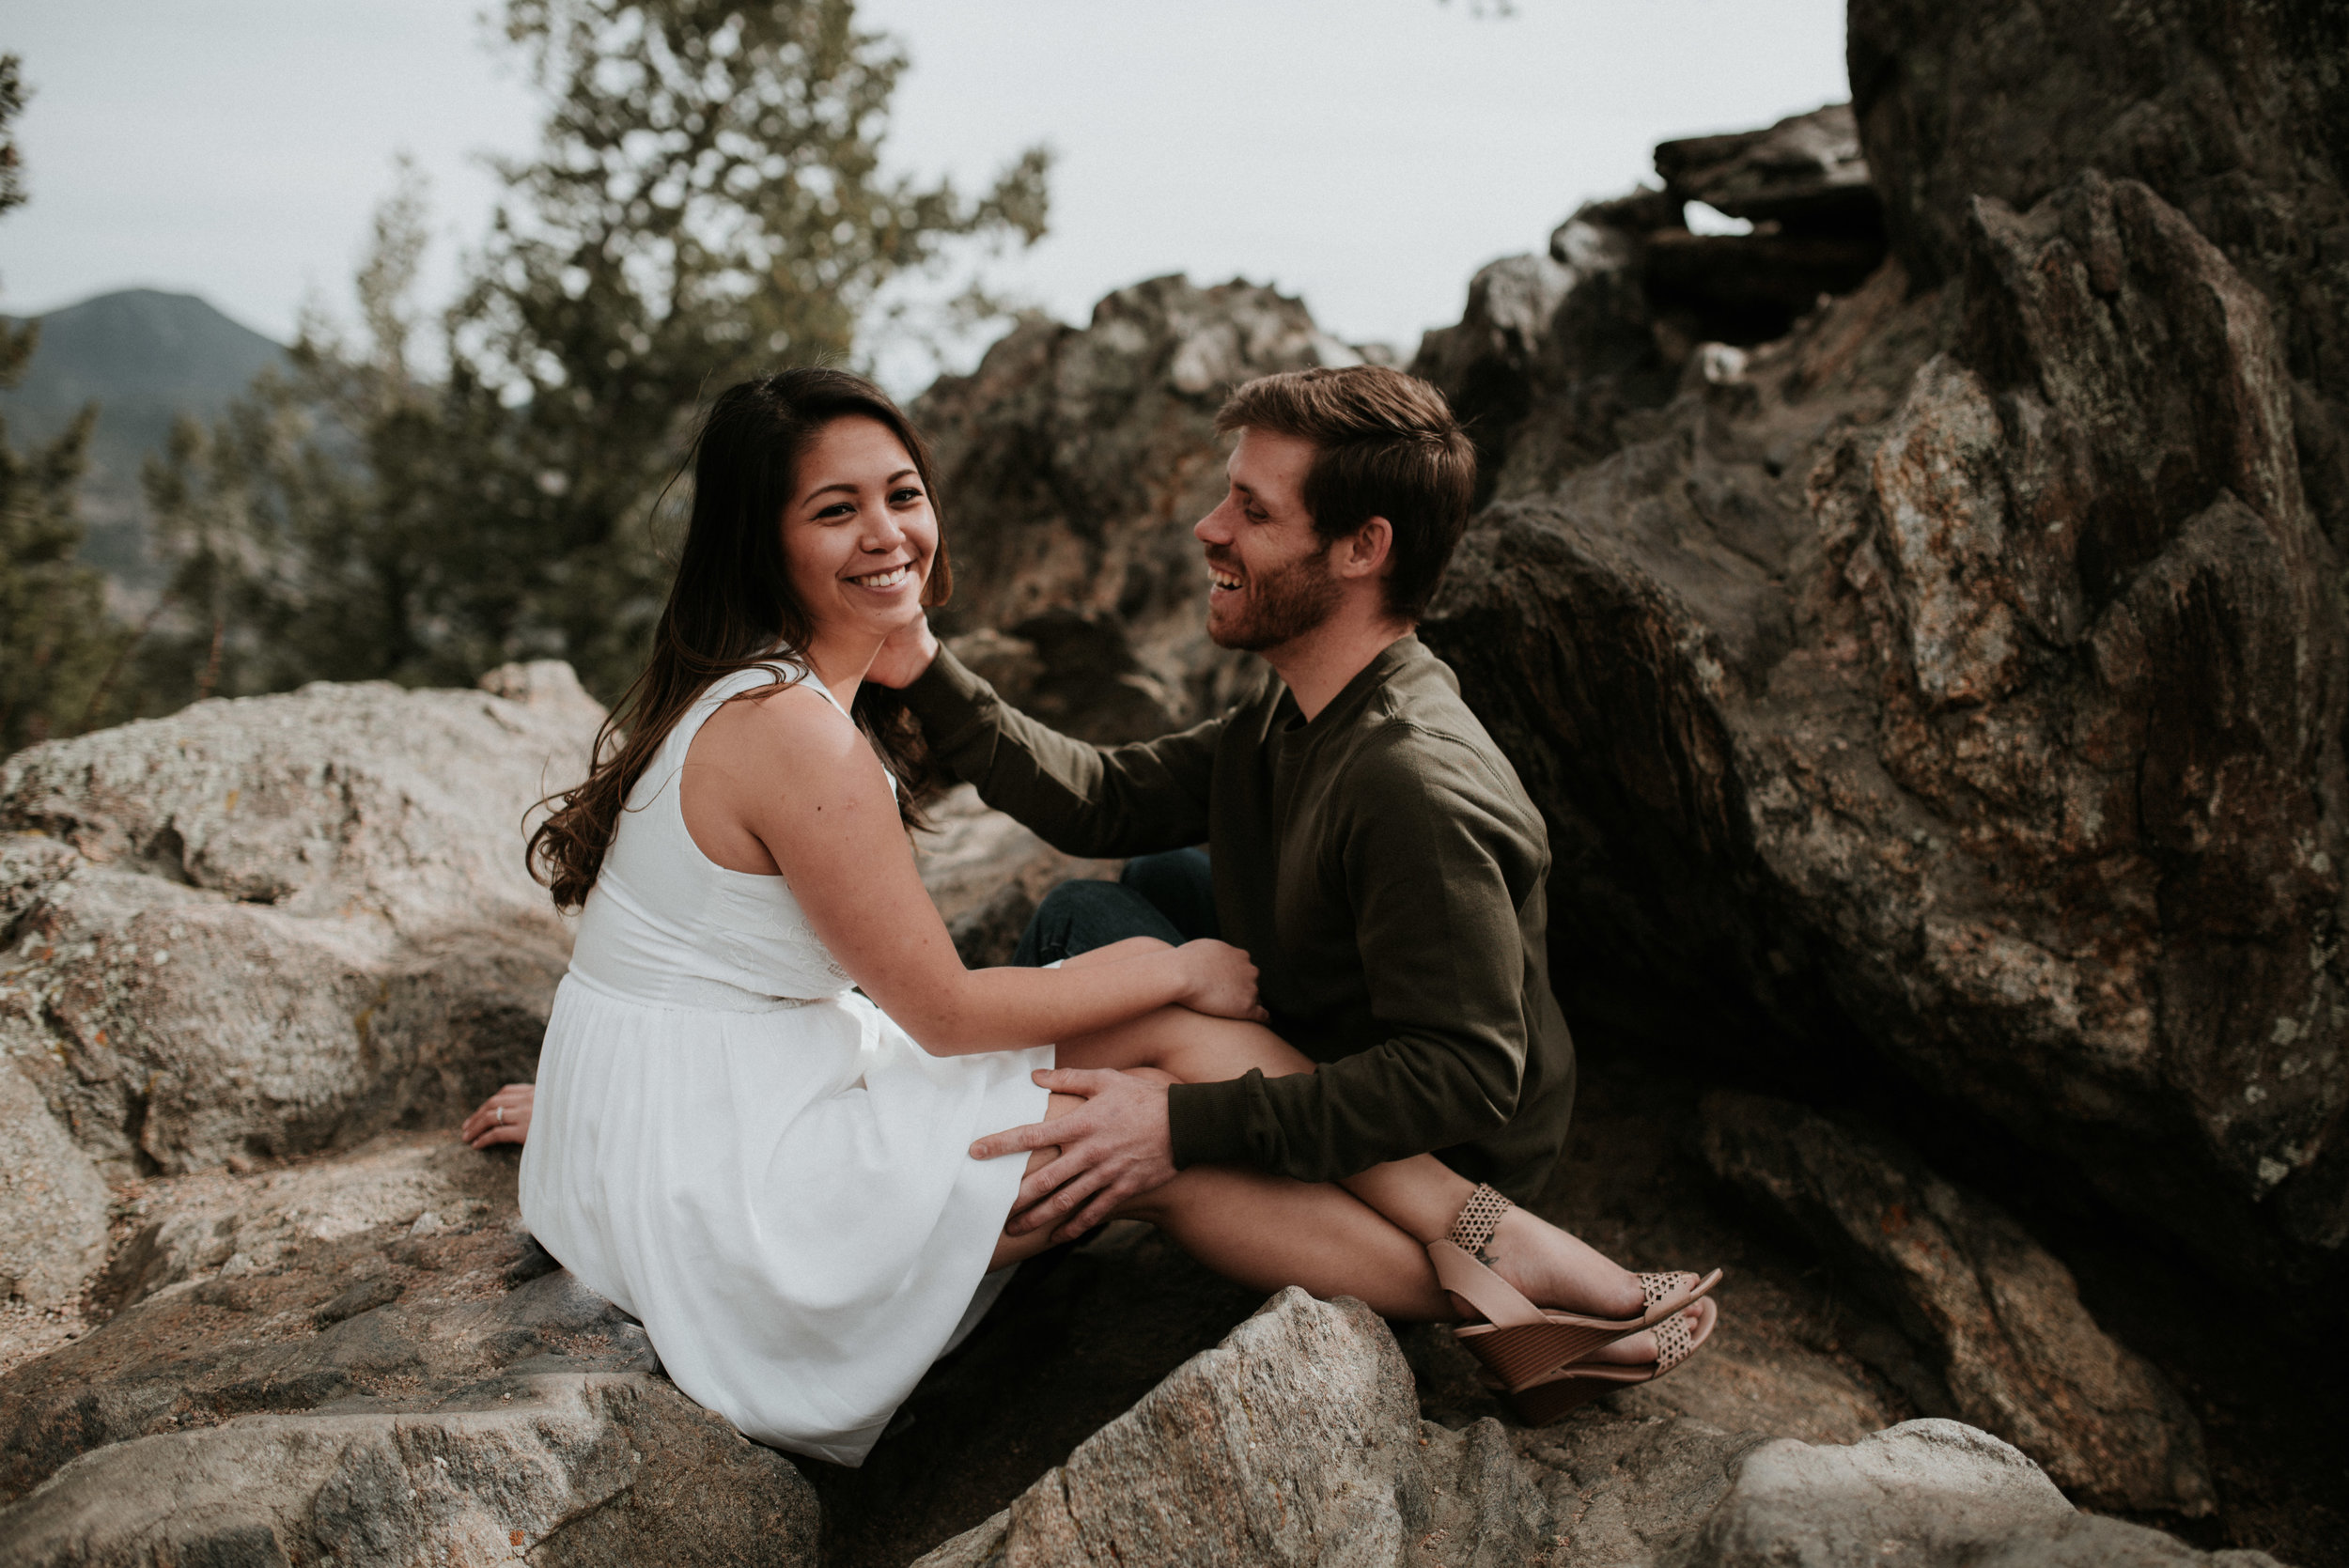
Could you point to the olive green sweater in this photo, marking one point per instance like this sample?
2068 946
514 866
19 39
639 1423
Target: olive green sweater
1385 870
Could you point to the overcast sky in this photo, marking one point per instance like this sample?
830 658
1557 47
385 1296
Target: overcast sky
1366 154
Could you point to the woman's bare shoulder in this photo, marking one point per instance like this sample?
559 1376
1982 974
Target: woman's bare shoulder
794 724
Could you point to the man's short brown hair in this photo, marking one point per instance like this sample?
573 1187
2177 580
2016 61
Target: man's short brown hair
1388 447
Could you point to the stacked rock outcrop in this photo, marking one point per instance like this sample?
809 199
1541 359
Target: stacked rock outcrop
1958 680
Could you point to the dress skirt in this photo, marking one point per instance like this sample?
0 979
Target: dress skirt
782 1193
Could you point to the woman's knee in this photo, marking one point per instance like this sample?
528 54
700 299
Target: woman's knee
1131 947
1189 1047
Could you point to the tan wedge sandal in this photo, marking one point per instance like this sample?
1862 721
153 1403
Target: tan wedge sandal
1546 1399
1521 1342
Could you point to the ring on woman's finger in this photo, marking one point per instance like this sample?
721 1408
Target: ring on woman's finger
501 1120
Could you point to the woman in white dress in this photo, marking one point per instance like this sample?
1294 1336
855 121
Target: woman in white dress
766 1067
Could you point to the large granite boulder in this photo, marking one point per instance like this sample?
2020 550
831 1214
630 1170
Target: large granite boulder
281 924
2006 1344
313 1337
264 927
2238 117
383 1369
1978 709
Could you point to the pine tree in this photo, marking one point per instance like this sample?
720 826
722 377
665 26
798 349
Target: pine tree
707 201
56 641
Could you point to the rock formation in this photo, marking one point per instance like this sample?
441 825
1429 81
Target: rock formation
352 1348
263 927
2008 1346
1816 228
1298 1441
316 1338
1953 683
384 1371
1935 683
1919 619
1960 680
2241 123
387 1372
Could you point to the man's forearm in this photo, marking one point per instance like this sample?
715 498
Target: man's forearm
1404 1097
1079 798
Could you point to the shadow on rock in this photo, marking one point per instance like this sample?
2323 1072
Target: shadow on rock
2006 1343
1077 1337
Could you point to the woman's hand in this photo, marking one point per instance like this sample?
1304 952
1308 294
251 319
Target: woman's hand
503 1117
1223 981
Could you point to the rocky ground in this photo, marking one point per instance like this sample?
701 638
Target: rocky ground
384 1343
1806 1351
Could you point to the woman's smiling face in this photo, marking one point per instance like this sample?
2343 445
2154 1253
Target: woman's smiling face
859 534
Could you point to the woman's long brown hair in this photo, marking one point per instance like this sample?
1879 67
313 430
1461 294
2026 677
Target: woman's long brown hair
732 608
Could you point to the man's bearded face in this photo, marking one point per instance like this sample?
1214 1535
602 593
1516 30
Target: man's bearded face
1272 578
1270 605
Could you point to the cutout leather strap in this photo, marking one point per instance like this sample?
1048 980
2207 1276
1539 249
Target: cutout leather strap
1501 1302
1473 1226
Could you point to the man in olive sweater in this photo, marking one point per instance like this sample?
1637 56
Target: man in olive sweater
1372 848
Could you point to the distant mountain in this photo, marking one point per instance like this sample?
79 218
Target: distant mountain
144 357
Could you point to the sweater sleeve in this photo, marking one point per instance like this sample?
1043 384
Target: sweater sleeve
1436 862
1081 799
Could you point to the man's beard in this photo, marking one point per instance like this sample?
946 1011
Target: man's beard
1281 606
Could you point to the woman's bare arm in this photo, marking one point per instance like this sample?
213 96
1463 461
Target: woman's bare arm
784 783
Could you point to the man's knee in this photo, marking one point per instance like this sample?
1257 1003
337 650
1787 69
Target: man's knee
1180 884
1078 917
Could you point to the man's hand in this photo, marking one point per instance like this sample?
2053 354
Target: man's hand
1117 1147
905 656
503 1117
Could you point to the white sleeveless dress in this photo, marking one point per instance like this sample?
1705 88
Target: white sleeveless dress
746 1155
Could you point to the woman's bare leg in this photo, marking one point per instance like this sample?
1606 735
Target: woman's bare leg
1420 1195
1268 1232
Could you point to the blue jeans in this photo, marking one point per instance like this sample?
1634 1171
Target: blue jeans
1169 896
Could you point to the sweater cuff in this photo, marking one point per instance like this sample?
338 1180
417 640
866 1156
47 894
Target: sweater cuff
1208 1123
946 695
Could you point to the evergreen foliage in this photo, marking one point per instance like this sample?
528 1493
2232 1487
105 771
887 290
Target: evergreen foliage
56 643
707 201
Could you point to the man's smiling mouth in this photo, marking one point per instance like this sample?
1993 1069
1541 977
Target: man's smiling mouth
1222 579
